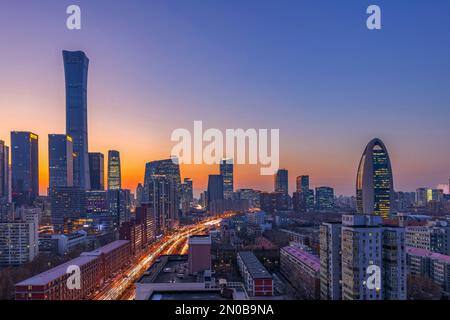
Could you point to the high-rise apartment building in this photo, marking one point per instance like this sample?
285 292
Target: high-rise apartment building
330 261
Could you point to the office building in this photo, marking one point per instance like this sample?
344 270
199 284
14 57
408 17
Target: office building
96 171
24 167
374 182
215 187
324 198
114 170
226 171
76 65
161 194
60 159
167 167
146 217
302 183
282 181
67 205
119 201
187 196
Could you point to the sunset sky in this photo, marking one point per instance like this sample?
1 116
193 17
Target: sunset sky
309 68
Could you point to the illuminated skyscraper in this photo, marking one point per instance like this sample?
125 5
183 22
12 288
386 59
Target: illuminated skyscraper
24 167
226 170
168 167
114 174
60 159
281 181
324 198
76 65
97 171
374 182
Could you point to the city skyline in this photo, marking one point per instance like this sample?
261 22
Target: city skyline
314 137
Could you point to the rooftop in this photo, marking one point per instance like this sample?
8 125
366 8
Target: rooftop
187 295
299 253
108 248
56 272
169 269
254 267
427 254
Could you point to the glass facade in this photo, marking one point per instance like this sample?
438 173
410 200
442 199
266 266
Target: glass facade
374 182
76 65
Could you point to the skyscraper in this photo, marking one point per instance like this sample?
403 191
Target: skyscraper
76 65
374 182
302 183
282 181
97 171
114 174
167 167
215 187
24 167
163 200
67 204
60 159
324 198
226 170
187 195
4 172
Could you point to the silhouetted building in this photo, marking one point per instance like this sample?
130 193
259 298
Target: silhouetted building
24 167
4 173
97 171
76 65
215 187
119 206
282 181
60 159
199 257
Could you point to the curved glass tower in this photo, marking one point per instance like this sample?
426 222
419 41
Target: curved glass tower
374 182
76 65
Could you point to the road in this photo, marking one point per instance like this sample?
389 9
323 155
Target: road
121 287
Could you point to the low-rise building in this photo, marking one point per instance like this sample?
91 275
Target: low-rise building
257 280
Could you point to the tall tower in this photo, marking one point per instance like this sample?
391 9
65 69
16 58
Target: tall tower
76 65
24 167
226 170
114 174
374 182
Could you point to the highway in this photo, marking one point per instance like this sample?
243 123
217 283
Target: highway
121 287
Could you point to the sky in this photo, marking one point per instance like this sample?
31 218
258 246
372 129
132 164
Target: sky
310 68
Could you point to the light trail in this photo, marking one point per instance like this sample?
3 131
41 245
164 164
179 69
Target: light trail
122 286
